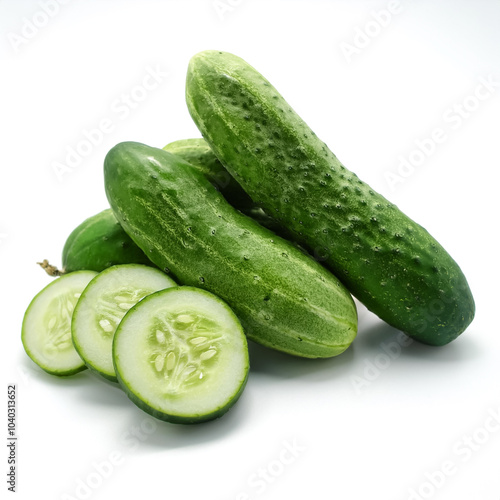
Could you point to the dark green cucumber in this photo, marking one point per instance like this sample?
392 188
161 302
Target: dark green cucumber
197 152
258 215
100 242
284 299
388 261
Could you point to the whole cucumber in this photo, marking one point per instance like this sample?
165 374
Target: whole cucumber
284 299
385 259
100 242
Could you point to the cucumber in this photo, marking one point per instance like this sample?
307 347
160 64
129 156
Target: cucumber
181 355
284 299
99 242
46 330
198 153
388 261
103 304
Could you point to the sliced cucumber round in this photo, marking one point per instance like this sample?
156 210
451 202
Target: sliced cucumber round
103 304
181 355
46 330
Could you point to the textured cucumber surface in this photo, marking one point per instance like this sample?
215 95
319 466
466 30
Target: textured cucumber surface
197 152
181 355
102 306
284 299
100 242
388 261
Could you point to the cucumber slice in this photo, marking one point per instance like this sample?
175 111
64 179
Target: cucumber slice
103 304
181 355
46 330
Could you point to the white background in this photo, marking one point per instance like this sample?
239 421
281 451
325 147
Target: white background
383 440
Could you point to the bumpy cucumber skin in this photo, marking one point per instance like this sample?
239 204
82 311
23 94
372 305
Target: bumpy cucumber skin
258 215
197 152
177 419
284 299
385 259
100 242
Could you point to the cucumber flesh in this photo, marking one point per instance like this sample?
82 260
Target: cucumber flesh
103 304
46 330
181 355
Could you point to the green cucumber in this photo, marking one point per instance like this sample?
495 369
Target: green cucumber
388 261
46 330
198 153
258 215
284 299
99 242
103 304
181 355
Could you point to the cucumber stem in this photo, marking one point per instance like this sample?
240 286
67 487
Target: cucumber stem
50 269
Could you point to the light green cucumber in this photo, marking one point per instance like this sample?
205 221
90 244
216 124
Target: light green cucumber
181 355
283 298
388 261
46 330
102 306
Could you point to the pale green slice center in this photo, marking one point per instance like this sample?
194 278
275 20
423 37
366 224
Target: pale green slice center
112 307
184 349
57 322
